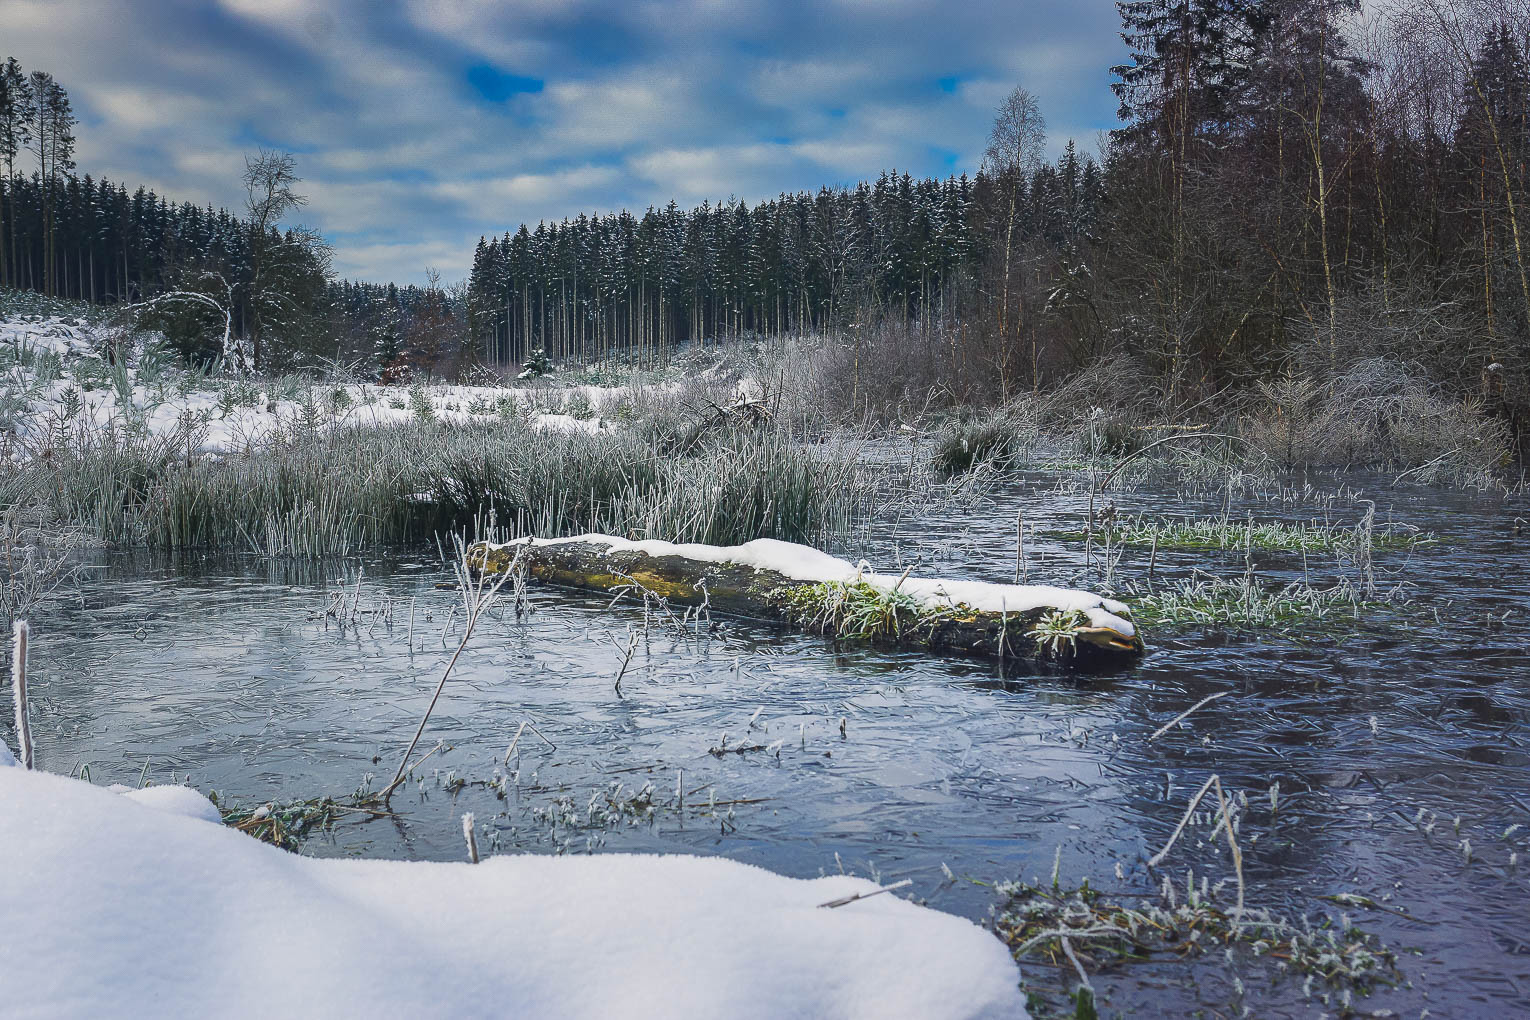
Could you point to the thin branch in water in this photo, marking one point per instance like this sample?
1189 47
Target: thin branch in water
1166 727
20 634
632 643
866 896
476 598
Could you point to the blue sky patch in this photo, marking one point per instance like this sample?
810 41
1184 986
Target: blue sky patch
496 86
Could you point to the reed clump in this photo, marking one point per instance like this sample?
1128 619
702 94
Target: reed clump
1000 438
1228 533
326 491
1208 601
1377 412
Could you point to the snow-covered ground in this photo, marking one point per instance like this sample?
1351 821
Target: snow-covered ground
52 364
142 905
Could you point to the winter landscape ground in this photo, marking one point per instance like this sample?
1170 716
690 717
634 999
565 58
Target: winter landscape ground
273 522
1080 575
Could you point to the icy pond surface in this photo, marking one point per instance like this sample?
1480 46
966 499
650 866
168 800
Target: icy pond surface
229 674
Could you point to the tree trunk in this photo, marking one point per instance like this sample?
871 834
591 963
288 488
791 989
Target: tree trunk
760 593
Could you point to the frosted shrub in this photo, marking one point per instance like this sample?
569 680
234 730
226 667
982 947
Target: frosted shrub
1376 413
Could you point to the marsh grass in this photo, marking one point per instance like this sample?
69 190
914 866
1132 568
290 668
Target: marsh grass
1001 439
1226 533
322 491
1036 921
1209 601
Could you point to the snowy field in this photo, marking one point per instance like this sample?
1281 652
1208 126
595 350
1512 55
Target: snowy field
52 370
143 904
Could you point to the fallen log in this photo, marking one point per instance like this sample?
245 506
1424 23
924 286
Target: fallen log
799 586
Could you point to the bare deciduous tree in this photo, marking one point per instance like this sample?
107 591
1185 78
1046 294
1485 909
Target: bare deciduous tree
269 178
1015 149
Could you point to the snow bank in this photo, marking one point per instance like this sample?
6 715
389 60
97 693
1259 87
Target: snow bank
174 800
804 563
124 906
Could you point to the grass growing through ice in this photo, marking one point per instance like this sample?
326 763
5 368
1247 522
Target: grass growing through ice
1036 921
320 492
1226 533
1214 601
1080 929
287 824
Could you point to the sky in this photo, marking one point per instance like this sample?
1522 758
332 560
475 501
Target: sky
420 125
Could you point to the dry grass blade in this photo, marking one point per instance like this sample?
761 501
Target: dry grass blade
20 635
1166 727
477 595
844 900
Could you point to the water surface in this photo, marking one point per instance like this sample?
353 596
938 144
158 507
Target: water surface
229 674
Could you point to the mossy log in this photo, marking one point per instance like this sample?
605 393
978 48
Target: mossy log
891 612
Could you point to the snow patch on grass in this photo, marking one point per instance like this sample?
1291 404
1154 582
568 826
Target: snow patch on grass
54 370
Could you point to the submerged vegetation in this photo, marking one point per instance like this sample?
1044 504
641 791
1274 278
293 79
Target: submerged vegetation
286 824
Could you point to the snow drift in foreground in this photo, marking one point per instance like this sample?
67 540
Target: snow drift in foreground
137 905
804 563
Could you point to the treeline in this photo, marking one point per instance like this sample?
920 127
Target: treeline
800 263
110 245
208 278
1298 187
1294 186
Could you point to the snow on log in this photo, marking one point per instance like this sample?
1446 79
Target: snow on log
800 586
140 905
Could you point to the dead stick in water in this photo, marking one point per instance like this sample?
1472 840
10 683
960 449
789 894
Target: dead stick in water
866 896
476 598
511 749
632 643
1022 569
20 634
1183 715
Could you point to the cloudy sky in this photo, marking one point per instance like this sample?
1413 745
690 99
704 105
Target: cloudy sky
419 125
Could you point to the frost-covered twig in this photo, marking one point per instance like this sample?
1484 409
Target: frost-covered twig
19 691
632 643
1185 714
475 599
1224 821
467 834
1189 813
1067 948
842 901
